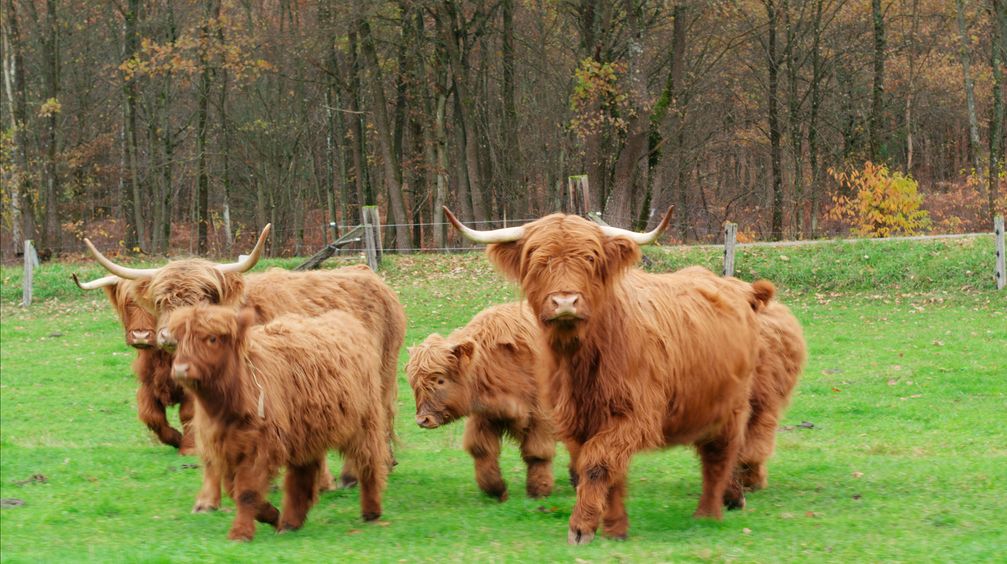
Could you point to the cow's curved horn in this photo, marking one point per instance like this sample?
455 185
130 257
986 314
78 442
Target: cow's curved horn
640 238
120 271
95 284
252 258
505 235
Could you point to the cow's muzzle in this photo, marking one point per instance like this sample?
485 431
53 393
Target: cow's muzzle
165 341
428 421
564 307
140 339
180 370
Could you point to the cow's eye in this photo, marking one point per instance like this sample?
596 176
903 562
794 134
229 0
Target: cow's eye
440 381
212 339
590 259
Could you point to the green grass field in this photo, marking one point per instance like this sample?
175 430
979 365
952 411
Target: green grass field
894 447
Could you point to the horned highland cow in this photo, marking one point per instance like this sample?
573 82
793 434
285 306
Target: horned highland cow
152 367
355 289
636 361
281 394
486 371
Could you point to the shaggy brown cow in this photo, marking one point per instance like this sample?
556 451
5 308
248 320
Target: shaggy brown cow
276 292
637 361
152 367
782 353
486 370
281 394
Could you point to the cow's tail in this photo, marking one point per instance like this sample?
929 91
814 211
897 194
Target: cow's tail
762 292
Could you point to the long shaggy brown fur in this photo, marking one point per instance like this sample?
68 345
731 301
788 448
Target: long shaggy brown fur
152 367
276 292
637 361
281 395
782 352
486 371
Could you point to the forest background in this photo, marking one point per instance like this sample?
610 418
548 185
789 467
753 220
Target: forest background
183 127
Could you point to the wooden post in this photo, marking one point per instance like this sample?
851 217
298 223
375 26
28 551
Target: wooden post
372 235
730 238
29 270
578 195
998 232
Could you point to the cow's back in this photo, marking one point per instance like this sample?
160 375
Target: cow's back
509 349
697 344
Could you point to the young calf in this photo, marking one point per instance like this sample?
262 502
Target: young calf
782 353
280 394
152 367
486 370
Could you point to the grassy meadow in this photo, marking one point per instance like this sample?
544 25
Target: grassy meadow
894 447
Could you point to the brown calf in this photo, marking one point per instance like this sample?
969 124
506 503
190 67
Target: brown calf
281 394
486 371
782 353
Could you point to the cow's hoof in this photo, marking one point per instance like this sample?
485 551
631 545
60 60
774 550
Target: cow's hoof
287 527
188 451
204 507
346 482
736 503
574 536
371 515
617 536
241 534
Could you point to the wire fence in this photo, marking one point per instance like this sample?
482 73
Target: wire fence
289 241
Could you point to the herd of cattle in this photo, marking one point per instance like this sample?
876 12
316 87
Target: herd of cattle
273 369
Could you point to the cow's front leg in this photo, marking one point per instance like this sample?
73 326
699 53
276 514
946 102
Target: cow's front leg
616 521
719 457
299 493
601 464
208 498
249 491
538 447
482 441
186 411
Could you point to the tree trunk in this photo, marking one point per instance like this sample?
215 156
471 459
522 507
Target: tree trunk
792 61
998 56
970 101
622 201
911 89
878 89
816 103
774 124
202 127
458 63
131 196
392 171
19 186
511 158
365 192
52 236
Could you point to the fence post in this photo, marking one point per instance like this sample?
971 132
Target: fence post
372 235
998 232
29 270
730 237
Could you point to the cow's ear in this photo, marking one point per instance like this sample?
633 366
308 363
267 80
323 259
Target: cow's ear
139 291
246 318
620 253
507 257
463 350
232 289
